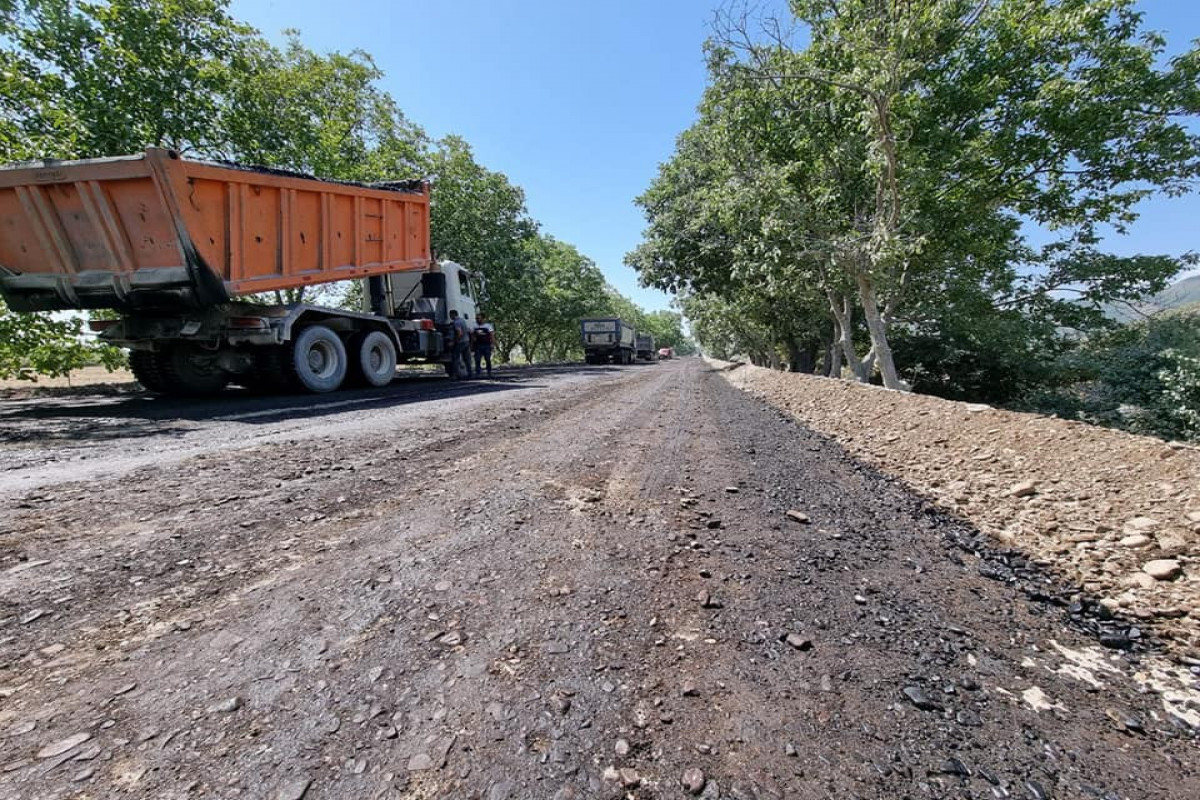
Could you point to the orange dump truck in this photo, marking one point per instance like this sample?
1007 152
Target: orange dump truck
179 247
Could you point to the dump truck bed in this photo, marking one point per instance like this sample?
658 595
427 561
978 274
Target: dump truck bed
157 231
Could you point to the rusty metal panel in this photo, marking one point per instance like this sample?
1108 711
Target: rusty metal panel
157 230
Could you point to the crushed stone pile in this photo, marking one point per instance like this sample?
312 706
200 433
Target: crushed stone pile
1115 514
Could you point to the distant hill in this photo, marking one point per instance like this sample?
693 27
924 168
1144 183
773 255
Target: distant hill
1184 293
1178 296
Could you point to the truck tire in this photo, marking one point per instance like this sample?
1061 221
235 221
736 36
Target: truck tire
272 365
318 359
191 371
267 375
144 364
372 359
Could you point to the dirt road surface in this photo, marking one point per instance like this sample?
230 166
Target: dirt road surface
568 583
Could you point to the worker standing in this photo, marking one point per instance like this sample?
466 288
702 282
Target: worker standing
460 354
485 335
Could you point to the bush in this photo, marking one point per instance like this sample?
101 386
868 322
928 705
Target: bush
1144 378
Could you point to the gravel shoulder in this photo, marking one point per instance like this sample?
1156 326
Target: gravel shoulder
596 593
1115 514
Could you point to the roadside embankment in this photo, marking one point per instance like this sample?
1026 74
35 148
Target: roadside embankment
1116 514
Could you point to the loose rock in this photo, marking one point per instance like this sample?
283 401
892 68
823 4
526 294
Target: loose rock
419 762
799 642
294 790
226 706
35 614
693 781
1162 569
916 695
63 745
1023 489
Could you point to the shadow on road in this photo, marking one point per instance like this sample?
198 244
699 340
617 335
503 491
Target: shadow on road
82 416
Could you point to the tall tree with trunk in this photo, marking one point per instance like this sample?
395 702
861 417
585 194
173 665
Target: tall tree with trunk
899 125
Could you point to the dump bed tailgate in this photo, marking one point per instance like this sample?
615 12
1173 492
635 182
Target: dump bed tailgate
159 231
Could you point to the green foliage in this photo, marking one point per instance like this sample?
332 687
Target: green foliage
38 344
992 356
95 79
667 329
560 286
319 114
1180 403
1144 378
478 218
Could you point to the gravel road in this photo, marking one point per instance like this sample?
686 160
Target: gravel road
566 583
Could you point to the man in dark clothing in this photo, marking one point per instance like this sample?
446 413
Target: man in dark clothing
485 336
460 352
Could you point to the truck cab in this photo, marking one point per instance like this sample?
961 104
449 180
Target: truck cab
419 305
431 294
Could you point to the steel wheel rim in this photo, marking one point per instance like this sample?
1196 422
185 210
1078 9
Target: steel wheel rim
321 359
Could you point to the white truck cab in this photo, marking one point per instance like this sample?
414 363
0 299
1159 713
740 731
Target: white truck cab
432 294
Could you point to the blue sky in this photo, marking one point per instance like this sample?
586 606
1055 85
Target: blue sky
578 102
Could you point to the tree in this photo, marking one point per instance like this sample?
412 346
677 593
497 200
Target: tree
562 287
98 79
322 115
667 329
852 168
478 218
1143 377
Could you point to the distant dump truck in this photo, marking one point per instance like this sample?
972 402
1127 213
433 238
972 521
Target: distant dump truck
608 340
178 246
645 347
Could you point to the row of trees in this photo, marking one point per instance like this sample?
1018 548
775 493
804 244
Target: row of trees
89 79
857 192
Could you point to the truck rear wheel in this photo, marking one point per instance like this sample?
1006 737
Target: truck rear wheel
318 359
373 358
190 370
144 364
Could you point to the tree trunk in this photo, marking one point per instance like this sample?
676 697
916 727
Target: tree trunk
831 365
880 347
794 355
802 357
843 321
